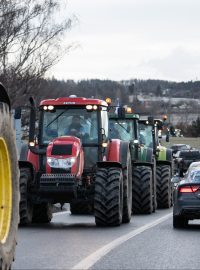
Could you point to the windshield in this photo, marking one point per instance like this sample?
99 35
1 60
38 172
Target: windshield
121 129
145 135
70 121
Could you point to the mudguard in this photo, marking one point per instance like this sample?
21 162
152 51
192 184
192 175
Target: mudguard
116 154
33 159
146 154
124 149
164 155
113 153
27 164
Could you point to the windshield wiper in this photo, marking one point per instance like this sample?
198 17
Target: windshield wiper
123 127
56 118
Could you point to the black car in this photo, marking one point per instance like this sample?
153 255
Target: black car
186 198
178 147
184 158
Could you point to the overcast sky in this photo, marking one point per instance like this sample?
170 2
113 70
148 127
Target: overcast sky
126 39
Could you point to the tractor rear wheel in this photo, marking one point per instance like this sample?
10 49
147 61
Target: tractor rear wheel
26 207
42 213
9 190
127 191
163 187
108 198
142 199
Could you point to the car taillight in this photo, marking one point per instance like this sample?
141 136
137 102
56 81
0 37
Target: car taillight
188 189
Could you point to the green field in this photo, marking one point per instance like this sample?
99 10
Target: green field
194 142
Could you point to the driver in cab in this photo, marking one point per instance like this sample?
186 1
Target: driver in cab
76 128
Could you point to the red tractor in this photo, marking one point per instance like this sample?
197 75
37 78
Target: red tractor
71 160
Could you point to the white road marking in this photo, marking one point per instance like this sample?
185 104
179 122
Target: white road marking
98 254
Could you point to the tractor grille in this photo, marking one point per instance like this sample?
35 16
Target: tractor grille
64 149
57 182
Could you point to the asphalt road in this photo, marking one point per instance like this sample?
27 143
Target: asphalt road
74 242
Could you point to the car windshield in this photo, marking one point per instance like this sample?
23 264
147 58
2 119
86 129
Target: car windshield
121 129
70 121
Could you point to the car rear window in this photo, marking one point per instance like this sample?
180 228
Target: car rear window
195 176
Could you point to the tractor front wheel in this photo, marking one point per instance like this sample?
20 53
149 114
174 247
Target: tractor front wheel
26 207
142 190
108 198
163 187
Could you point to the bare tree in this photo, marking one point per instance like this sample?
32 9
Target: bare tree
31 35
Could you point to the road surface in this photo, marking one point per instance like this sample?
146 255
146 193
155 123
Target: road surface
74 242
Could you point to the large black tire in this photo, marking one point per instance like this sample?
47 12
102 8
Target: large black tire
42 213
155 206
108 198
179 222
81 207
142 197
127 191
9 240
163 187
26 207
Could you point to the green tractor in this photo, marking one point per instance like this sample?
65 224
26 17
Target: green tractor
150 127
124 125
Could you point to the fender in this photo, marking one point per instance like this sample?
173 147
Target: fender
146 155
33 159
27 164
164 154
124 149
114 151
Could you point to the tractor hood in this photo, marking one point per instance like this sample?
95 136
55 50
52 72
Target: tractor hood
63 155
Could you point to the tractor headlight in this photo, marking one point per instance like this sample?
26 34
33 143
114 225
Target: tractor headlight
63 163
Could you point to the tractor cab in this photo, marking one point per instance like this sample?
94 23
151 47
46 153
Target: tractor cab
123 126
147 132
63 119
